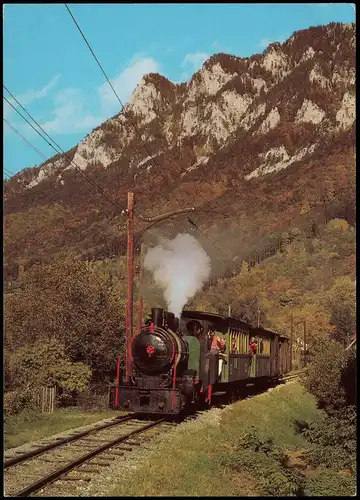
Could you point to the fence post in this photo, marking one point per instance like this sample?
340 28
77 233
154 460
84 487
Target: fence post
42 399
54 394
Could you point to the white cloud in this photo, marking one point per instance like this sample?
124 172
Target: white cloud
70 114
195 60
28 97
265 42
216 45
125 82
32 95
221 48
74 111
72 108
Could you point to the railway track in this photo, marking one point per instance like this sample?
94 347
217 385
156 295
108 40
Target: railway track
77 457
293 376
83 453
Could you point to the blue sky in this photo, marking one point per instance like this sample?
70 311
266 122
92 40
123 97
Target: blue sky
48 67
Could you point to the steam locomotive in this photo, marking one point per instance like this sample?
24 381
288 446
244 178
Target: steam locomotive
174 368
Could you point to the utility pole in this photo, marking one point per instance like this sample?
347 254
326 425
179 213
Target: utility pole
258 318
130 267
140 292
305 351
291 339
130 278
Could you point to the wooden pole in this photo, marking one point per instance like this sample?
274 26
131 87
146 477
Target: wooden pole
140 293
42 399
292 340
130 268
305 351
130 277
117 382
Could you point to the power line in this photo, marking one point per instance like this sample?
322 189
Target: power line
210 241
71 161
112 87
10 174
118 98
56 204
25 140
122 105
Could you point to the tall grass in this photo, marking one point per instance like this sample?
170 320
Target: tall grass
190 459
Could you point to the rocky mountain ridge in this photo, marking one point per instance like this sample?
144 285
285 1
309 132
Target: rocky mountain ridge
236 118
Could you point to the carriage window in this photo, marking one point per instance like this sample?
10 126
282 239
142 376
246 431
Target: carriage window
266 347
244 342
234 341
261 346
239 341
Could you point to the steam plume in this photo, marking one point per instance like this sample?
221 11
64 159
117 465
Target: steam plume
180 267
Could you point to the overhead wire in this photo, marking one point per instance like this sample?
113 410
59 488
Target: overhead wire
37 150
205 236
57 148
131 119
10 174
113 89
25 140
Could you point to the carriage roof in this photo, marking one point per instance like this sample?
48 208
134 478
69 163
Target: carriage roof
229 321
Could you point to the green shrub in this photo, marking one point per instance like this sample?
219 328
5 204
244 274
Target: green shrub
266 461
324 375
93 399
333 440
17 401
328 483
28 368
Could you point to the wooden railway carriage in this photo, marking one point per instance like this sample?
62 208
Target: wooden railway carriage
173 365
272 359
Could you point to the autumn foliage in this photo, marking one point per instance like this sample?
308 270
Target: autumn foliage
63 327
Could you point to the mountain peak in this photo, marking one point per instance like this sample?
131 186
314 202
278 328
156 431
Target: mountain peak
307 81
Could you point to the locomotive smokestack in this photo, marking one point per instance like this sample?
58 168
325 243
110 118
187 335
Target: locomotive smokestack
157 316
171 321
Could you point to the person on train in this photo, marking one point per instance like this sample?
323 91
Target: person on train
218 346
252 346
195 329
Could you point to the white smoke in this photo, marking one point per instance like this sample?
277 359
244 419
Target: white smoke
180 267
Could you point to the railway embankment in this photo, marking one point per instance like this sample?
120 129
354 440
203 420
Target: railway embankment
252 447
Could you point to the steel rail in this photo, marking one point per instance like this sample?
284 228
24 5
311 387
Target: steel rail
39 451
79 461
293 375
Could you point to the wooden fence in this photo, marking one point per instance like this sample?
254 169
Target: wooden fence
45 398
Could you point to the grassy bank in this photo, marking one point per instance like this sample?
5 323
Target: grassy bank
30 426
238 451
